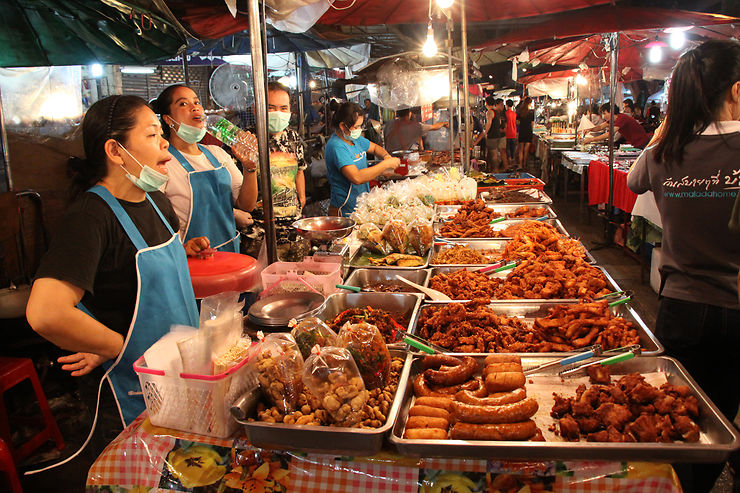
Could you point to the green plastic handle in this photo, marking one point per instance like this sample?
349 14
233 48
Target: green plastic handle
498 220
350 288
505 267
620 302
617 359
418 345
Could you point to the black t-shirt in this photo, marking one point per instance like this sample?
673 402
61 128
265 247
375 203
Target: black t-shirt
92 251
496 131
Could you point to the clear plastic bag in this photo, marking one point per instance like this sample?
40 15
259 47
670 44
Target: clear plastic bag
279 366
332 376
367 346
421 236
397 236
372 239
310 332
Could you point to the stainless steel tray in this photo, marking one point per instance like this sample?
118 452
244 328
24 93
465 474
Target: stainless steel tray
328 439
406 304
364 277
447 269
501 226
720 434
445 211
538 197
528 310
355 263
497 245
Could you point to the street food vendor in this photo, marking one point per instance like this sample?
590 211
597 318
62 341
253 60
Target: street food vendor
346 160
628 127
207 190
115 277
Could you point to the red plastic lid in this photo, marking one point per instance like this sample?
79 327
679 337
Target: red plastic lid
224 271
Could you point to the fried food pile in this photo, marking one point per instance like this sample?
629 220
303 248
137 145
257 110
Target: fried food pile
528 228
451 402
570 327
443 157
385 322
461 254
510 196
553 276
527 211
399 259
533 241
474 327
631 410
465 285
471 221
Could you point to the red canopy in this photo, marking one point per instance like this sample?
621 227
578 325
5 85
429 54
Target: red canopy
373 12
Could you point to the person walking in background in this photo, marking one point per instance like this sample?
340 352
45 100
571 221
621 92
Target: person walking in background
525 116
495 135
511 133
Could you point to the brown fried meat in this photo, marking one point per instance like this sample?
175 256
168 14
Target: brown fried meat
471 221
465 285
461 254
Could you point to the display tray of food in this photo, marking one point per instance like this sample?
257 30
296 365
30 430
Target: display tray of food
511 211
467 253
526 281
311 425
519 197
645 408
383 310
364 258
384 280
504 230
528 326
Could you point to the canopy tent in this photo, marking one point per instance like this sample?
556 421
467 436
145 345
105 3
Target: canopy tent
78 32
277 42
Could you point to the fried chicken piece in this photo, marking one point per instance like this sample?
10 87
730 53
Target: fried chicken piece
588 424
599 436
688 430
676 390
569 428
638 409
664 403
599 374
643 393
628 382
616 415
561 406
643 429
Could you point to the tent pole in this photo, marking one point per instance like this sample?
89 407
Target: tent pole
613 74
452 81
260 112
5 151
464 34
299 82
185 70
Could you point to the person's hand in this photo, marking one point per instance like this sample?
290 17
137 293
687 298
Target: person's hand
446 124
242 218
196 245
81 363
247 157
392 163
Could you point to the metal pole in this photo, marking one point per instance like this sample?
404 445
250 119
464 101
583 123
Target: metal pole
299 84
465 156
452 81
260 112
5 151
185 71
613 74
327 128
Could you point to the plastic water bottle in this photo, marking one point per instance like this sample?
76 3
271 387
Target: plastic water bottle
239 140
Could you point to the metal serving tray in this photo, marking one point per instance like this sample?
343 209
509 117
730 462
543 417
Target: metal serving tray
328 439
354 262
528 310
365 277
718 434
539 197
476 244
503 225
445 211
447 269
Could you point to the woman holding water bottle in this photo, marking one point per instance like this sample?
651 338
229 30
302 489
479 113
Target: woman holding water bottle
208 192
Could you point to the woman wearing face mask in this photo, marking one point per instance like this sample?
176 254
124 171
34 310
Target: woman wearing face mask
115 277
346 160
207 190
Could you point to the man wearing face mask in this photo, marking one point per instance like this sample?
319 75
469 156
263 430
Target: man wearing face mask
207 190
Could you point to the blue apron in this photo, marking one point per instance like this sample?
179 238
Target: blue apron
211 210
164 297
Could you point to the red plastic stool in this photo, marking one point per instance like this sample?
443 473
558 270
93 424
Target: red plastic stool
8 467
12 372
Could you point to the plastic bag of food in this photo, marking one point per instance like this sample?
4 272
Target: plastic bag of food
421 236
395 233
367 346
331 374
310 332
372 238
279 367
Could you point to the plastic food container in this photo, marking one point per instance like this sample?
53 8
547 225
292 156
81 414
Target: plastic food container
194 403
221 272
309 275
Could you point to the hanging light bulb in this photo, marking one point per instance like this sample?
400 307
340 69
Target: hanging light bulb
430 46
655 55
445 4
580 80
677 40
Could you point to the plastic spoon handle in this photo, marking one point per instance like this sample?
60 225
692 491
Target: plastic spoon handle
620 302
433 294
349 288
505 267
618 358
413 343
576 358
498 220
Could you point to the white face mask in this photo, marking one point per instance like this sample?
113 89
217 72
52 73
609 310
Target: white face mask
189 133
149 179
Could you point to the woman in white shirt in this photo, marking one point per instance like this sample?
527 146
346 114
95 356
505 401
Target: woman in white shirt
207 190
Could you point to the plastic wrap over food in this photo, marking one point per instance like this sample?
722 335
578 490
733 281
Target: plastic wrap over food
421 236
403 83
367 346
396 234
311 332
332 376
279 366
372 238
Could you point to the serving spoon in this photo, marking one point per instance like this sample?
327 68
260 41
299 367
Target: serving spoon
433 294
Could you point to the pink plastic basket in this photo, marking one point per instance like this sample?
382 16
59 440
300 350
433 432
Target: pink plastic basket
307 275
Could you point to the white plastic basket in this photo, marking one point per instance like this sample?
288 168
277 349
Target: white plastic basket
194 403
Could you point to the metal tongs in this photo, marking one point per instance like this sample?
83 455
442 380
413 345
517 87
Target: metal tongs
588 352
419 343
631 352
616 298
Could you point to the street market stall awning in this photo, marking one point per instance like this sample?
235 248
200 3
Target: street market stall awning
78 32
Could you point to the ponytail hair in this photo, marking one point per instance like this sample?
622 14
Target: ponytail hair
109 118
698 89
347 113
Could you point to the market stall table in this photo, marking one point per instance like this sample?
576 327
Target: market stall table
144 457
598 187
577 162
